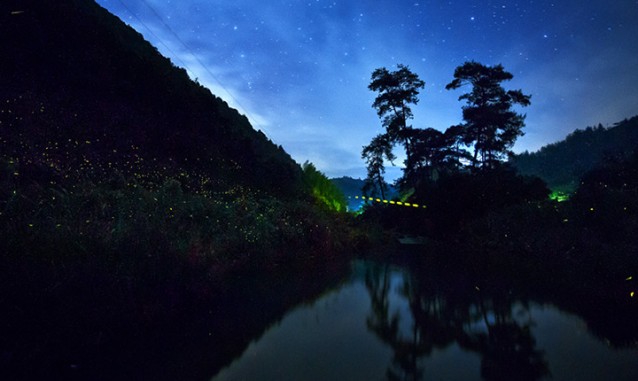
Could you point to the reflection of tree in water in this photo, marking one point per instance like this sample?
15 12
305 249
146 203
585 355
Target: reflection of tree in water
434 327
507 347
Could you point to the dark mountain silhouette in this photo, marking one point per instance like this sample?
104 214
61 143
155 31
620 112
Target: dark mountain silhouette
79 87
352 188
562 164
348 185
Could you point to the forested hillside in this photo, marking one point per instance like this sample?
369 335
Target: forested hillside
110 154
79 88
563 163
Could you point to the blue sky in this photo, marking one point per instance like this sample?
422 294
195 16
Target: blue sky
300 69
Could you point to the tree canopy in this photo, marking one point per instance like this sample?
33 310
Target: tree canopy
396 91
489 130
491 125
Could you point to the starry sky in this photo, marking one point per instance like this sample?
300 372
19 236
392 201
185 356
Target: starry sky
299 70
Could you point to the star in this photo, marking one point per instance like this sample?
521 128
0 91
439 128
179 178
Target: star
294 47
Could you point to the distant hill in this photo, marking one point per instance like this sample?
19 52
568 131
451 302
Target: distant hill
562 164
352 188
348 185
80 88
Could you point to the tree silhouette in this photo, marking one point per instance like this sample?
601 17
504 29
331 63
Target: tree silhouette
508 347
374 154
443 316
490 124
396 91
433 152
436 323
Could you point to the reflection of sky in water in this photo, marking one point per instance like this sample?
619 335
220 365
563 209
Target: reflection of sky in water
329 340
574 354
325 341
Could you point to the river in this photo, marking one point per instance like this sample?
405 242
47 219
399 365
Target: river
393 319
386 322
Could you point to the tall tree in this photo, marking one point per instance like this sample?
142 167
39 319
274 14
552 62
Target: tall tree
397 90
490 124
375 153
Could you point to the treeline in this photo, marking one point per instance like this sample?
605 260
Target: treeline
587 244
562 164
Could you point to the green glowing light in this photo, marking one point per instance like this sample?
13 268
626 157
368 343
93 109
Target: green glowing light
559 196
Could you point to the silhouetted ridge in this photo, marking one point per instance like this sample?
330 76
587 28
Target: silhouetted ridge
563 163
72 72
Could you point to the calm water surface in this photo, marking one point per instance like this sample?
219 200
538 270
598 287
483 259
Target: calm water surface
384 323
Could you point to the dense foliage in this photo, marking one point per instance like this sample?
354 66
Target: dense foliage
323 190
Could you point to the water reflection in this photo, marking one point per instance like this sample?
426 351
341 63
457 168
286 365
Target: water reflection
480 324
394 324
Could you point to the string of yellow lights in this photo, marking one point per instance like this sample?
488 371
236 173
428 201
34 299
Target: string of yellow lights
389 202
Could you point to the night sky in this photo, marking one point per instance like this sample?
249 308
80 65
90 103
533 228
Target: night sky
300 69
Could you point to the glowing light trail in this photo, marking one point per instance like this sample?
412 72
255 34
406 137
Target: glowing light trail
389 202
